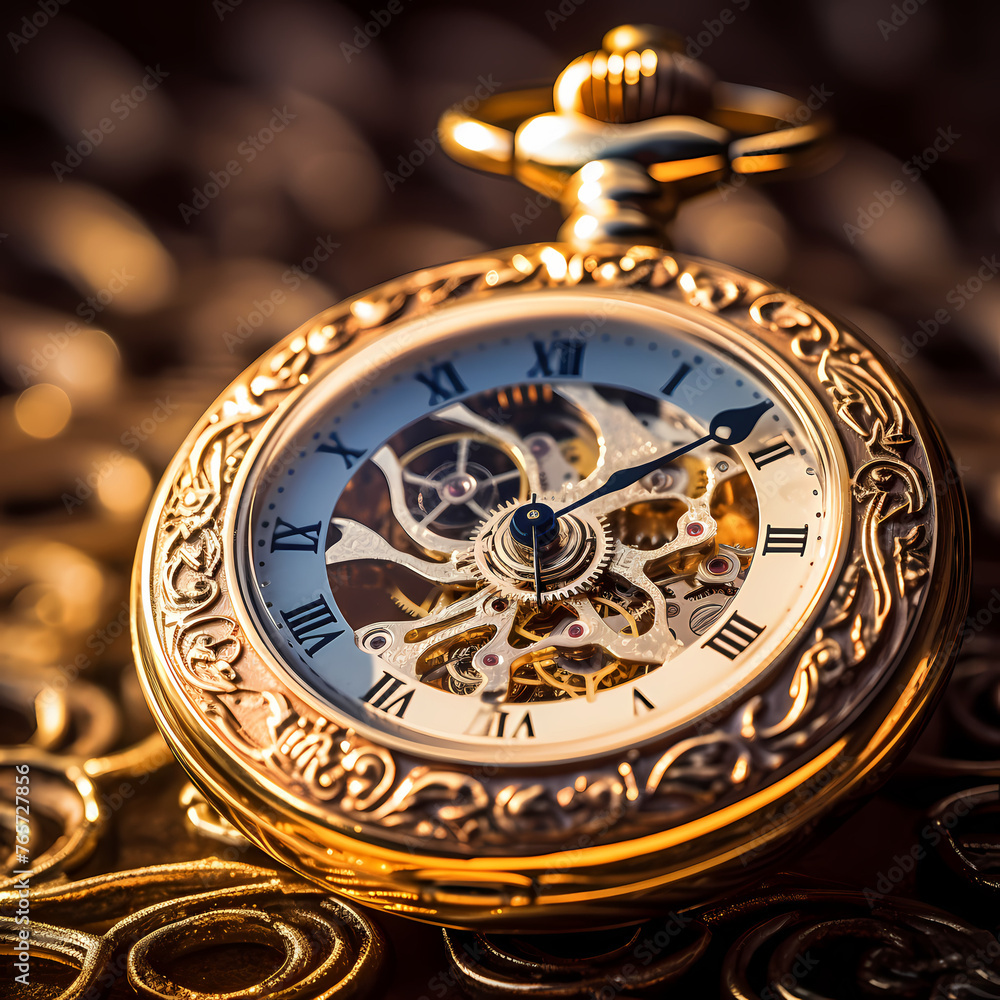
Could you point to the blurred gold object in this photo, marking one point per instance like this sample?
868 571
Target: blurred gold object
154 916
631 130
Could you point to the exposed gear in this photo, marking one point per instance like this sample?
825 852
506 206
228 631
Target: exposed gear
572 564
552 678
452 480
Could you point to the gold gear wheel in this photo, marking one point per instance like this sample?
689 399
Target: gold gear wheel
582 558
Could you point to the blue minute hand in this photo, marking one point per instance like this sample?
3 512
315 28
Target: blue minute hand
727 427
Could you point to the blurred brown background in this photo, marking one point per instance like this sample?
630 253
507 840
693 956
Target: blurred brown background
182 184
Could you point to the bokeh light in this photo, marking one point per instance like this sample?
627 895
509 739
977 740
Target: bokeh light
43 410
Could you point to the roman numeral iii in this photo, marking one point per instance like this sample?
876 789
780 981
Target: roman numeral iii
789 541
734 637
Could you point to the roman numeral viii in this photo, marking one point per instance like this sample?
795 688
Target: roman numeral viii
288 537
734 637
305 622
382 695
790 541
561 357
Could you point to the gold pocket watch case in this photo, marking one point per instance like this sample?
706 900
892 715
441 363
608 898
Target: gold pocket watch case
553 585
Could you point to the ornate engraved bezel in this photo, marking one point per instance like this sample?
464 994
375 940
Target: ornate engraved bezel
589 842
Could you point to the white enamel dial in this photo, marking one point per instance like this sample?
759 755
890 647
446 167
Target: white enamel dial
384 560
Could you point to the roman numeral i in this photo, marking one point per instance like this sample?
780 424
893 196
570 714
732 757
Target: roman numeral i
523 730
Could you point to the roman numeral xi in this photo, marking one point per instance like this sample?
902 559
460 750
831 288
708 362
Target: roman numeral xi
443 382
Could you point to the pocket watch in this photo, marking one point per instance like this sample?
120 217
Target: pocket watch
559 584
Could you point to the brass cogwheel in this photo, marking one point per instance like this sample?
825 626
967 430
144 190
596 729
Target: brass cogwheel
585 548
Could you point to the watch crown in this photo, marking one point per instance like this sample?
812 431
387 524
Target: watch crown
631 130
638 73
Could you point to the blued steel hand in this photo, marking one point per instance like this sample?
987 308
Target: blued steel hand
538 565
727 427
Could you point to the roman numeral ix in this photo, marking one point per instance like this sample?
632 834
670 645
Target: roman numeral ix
288 537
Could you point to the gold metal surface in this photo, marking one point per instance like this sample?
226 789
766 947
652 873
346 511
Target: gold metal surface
145 922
